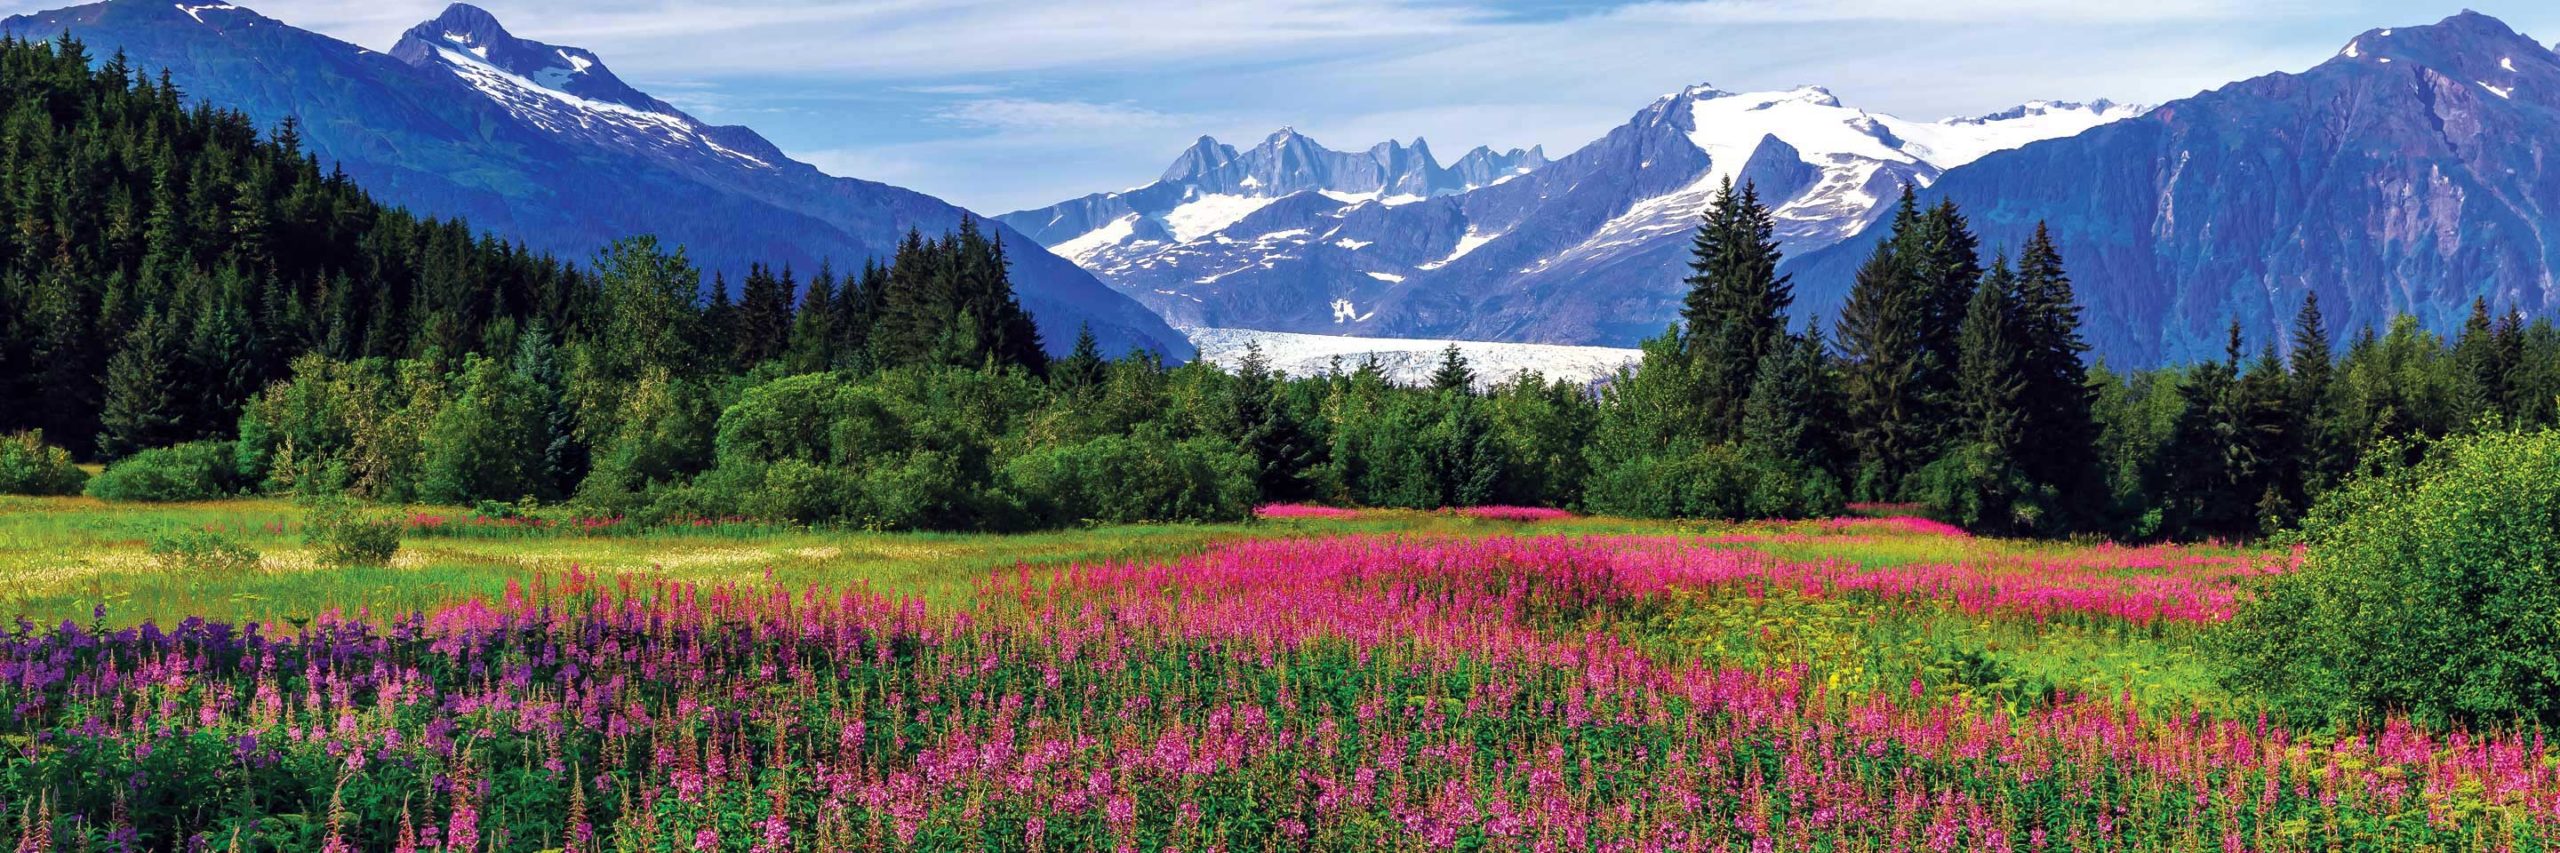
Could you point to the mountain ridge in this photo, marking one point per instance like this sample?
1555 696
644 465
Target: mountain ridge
1583 249
562 168
2403 175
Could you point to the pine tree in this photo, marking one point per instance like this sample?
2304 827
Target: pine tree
2059 450
2483 380
564 460
1887 377
719 324
857 313
813 327
1991 366
1260 422
1084 370
1976 480
1793 414
1453 374
2308 397
141 411
1943 260
1736 309
764 317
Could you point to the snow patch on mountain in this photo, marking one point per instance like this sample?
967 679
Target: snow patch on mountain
197 12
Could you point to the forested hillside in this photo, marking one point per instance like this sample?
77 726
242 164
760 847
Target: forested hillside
165 260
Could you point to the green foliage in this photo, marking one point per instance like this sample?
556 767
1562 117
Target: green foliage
1143 477
344 534
2427 589
487 442
28 466
203 552
1717 481
195 471
951 302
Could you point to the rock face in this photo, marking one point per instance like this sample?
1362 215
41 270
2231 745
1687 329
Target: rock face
2410 173
543 144
1587 249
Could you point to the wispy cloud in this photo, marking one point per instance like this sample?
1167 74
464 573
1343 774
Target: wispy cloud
1022 114
956 89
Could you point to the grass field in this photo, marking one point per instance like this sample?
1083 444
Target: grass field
1328 681
62 557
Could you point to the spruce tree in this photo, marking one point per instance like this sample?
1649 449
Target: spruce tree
1887 375
1976 480
764 318
1991 364
2308 397
1736 307
2483 379
1083 369
813 327
2060 433
1453 373
1259 421
1793 414
141 410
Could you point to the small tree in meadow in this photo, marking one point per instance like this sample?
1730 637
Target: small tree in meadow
28 466
2427 590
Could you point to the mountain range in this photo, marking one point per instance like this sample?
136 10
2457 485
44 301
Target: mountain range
2404 175
1587 249
545 145
2410 173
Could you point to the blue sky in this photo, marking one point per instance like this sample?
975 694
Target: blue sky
1005 104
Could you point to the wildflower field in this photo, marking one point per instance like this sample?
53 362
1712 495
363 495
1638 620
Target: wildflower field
1499 680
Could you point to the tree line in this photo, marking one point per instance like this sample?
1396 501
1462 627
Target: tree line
205 306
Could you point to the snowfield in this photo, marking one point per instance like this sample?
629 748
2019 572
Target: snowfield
1409 361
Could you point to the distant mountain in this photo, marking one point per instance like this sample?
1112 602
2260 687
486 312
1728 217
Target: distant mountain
1507 247
544 144
2411 173
1212 185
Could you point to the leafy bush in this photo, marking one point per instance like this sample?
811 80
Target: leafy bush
2428 590
203 552
1119 480
28 466
343 534
195 471
1718 481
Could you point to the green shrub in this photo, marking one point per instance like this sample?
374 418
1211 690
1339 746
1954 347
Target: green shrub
343 534
1122 480
28 466
1718 481
203 552
2429 590
196 471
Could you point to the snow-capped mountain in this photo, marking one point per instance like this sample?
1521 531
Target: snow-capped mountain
1585 249
569 91
1212 185
543 144
2410 173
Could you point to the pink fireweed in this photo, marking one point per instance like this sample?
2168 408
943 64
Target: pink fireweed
1901 524
1319 694
1286 511
1515 513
